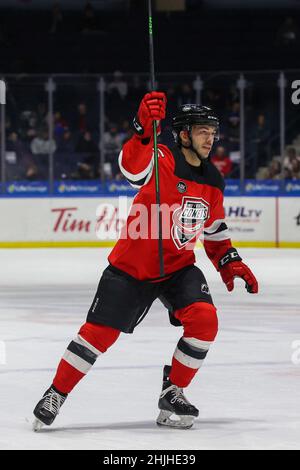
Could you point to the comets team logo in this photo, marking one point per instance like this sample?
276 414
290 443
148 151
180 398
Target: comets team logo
188 220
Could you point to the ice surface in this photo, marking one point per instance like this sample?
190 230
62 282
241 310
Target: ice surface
248 390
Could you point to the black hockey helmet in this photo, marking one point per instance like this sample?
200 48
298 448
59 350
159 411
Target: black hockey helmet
191 114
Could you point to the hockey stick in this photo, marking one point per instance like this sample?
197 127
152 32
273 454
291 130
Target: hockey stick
156 169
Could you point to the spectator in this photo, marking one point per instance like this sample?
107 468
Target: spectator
41 147
90 157
41 115
81 121
258 143
290 157
32 172
287 175
125 132
222 161
64 156
65 143
60 124
295 169
13 144
41 144
8 125
25 166
274 170
112 145
14 153
27 129
117 96
86 144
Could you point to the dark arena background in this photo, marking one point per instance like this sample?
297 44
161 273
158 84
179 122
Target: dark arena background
72 76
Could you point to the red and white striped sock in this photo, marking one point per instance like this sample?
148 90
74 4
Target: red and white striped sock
188 357
200 325
91 341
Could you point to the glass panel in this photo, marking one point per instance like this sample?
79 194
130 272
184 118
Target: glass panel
122 96
179 89
83 126
220 92
292 137
27 134
262 109
76 128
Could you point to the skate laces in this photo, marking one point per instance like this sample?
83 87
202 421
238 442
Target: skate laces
53 402
177 395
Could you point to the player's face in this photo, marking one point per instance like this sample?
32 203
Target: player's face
203 139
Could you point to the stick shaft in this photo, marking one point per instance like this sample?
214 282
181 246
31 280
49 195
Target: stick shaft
156 168
151 46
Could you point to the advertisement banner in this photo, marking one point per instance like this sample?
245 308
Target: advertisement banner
292 188
262 188
91 220
251 219
20 189
289 220
80 188
232 188
63 219
65 188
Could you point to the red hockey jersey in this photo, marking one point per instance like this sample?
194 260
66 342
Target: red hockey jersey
191 206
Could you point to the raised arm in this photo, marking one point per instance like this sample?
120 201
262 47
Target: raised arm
136 158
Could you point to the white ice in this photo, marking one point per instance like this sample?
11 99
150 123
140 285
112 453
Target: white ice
248 390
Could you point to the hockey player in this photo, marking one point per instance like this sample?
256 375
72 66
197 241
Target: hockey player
193 188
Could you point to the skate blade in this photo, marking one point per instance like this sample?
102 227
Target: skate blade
37 425
183 422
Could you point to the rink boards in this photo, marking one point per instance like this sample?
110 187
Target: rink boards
93 221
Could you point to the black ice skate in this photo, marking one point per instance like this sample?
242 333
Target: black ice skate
48 408
173 402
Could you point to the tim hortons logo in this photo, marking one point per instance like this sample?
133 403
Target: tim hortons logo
188 220
107 223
